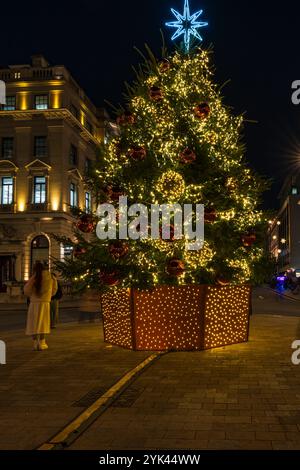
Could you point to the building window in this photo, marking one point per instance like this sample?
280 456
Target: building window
73 195
7 147
40 146
7 190
67 252
7 271
294 190
89 127
39 190
88 166
41 102
73 155
17 74
10 104
88 202
74 111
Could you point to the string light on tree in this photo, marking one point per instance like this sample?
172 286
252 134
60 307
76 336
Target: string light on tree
178 143
171 185
184 148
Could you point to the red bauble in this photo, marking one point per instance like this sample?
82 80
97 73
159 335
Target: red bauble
248 239
210 215
137 153
202 110
172 234
175 267
118 249
78 251
164 66
109 279
222 281
86 224
187 156
155 93
114 192
126 119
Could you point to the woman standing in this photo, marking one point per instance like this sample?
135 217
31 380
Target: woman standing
40 288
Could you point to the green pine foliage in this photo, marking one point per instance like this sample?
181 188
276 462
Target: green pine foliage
178 143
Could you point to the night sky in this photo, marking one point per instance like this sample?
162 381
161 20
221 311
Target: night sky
256 45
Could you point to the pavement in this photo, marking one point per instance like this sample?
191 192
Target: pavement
42 391
240 397
244 396
13 316
267 301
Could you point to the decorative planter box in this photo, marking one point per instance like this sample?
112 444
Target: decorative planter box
183 318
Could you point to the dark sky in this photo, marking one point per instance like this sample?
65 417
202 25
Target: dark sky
256 44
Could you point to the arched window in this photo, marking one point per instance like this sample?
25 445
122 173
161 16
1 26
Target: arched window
39 250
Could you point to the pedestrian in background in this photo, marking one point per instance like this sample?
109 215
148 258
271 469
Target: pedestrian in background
40 288
54 305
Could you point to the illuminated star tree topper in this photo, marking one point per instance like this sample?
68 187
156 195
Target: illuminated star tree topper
187 25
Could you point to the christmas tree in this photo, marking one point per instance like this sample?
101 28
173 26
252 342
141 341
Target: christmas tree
178 143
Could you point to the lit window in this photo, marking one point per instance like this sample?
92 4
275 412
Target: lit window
39 190
10 104
17 74
7 147
73 155
88 202
40 146
73 195
41 101
67 252
294 191
7 190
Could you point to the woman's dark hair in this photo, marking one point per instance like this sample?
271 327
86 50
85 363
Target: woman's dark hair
38 269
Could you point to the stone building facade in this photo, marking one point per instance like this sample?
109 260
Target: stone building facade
284 230
49 137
